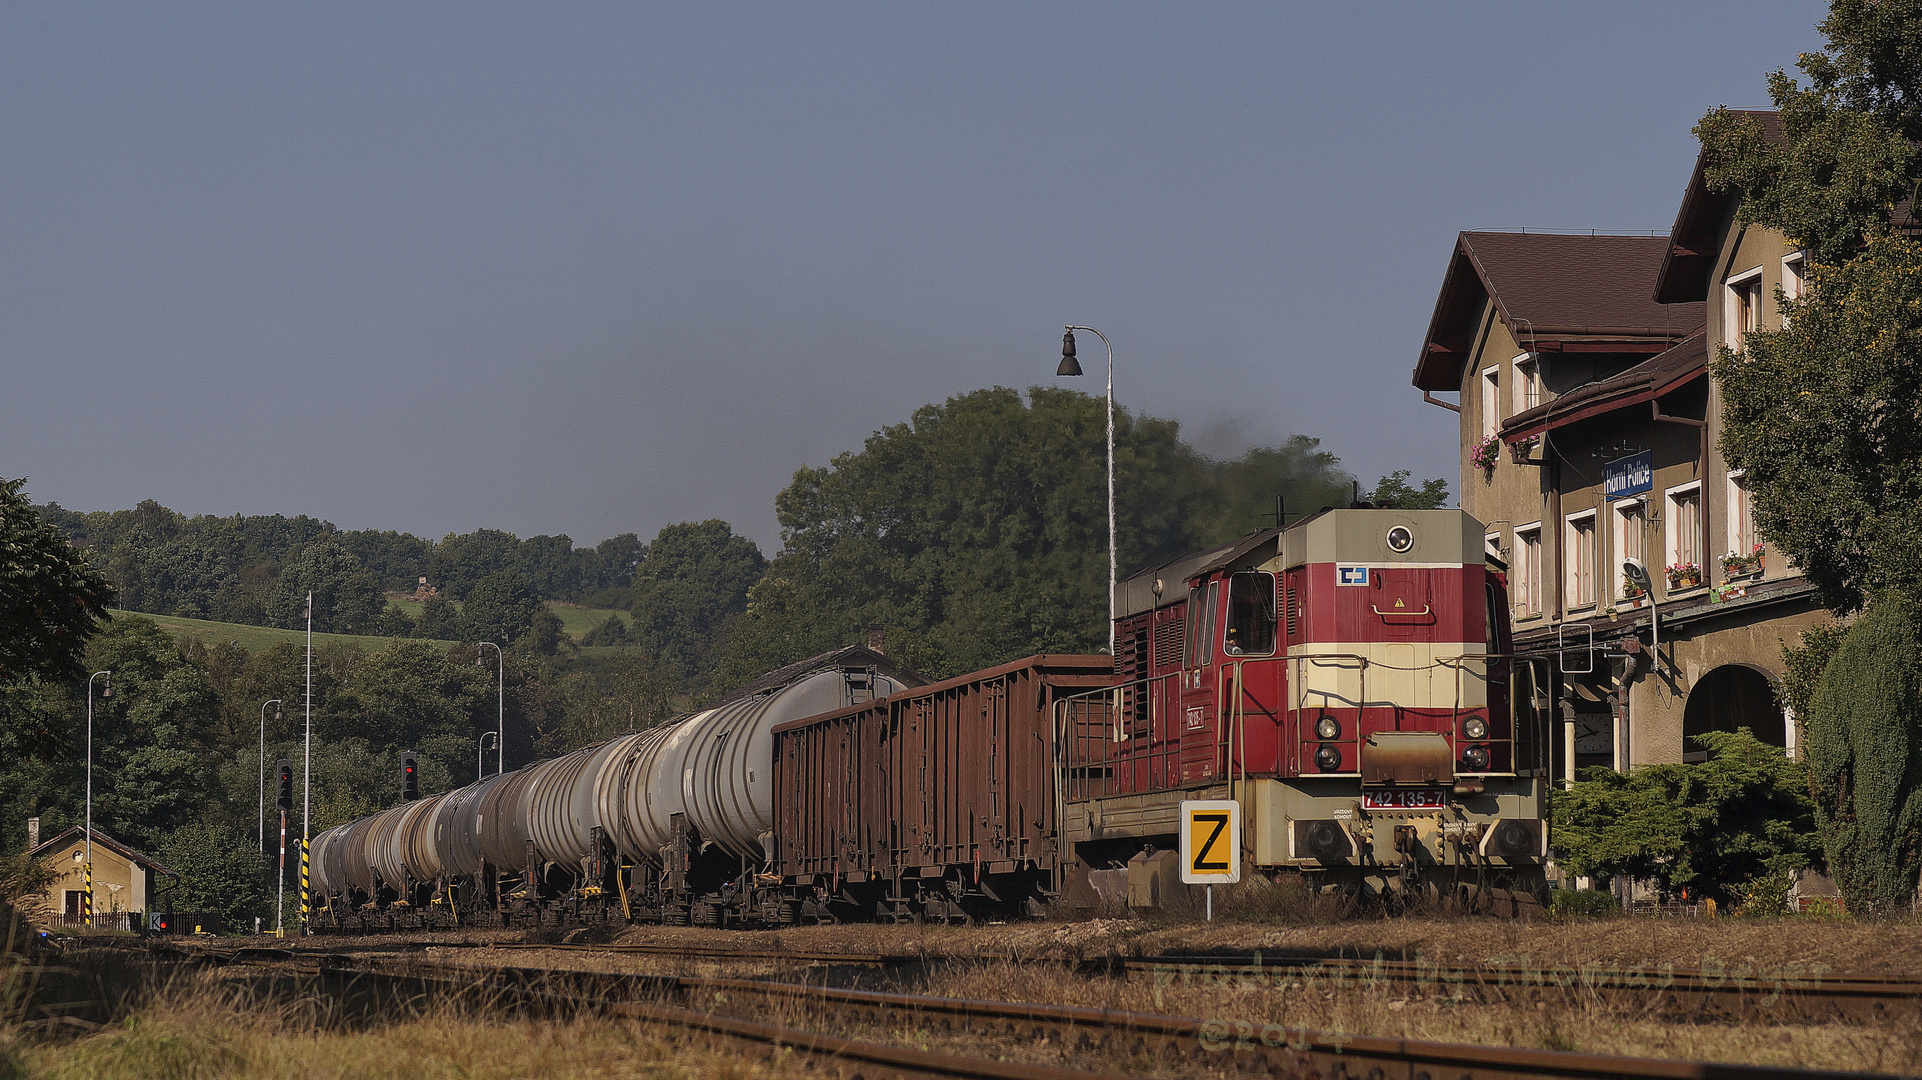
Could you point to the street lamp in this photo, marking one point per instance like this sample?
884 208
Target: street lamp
106 694
500 691
263 765
1070 366
480 749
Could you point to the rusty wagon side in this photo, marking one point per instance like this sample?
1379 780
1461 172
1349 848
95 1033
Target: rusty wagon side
938 802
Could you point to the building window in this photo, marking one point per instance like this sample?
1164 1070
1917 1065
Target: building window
1528 569
1795 274
1491 401
1578 577
1631 542
1528 382
1492 545
1742 308
1741 515
1684 535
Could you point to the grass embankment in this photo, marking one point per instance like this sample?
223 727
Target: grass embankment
575 622
253 638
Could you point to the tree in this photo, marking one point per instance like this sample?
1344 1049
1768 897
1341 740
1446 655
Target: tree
545 633
439 619
347 600
1392 492
609 631
1822 411
1706 828
688 589
51 599
499 608
220 871
1865 757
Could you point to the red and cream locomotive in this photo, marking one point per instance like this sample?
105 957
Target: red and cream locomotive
1347 679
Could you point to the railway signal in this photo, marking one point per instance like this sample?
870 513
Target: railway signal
285 799
409 781
1210 844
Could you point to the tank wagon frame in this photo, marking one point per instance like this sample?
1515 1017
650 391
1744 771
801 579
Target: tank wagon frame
1348 679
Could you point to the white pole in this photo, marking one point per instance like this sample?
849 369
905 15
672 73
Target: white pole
500 703
89 866
1112 568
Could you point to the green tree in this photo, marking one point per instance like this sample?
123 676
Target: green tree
219 870
1821 411
1865 757
396 623
1708 828
347 600
439 619
499 608
688 589
51 599
544 633
1393 492
609 631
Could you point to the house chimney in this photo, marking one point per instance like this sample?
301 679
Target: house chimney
33 833
874 639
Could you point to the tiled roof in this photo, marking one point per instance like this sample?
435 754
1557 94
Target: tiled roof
1551 290
100 839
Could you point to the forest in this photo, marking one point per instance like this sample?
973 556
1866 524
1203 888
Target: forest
972 533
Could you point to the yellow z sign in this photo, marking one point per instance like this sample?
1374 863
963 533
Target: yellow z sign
1210 841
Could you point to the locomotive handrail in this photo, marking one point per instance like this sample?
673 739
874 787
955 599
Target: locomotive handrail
1425 610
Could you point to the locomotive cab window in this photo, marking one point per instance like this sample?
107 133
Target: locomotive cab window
1251 614
1201 624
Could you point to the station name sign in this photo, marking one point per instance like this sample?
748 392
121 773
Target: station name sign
1628 476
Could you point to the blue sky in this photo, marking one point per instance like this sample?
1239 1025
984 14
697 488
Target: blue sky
597 268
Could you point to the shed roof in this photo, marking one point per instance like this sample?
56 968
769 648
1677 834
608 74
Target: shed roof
1555 292
1646 381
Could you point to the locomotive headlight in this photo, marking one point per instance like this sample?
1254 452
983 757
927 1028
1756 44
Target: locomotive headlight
1475 728
1400 539
1475 758
1328 757
1327 727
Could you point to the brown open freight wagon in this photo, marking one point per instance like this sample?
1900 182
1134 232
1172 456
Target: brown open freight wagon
938 802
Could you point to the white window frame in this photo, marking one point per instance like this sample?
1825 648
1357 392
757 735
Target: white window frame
1618 540
1732 288
1492 543
1738 494
1528 569
1527 389
1794 281
1572 566
1491 400
1672 526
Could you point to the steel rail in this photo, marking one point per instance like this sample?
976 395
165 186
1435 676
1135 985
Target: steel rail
1785 991
1249 1045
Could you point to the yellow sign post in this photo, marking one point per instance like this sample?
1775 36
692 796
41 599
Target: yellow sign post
1210 844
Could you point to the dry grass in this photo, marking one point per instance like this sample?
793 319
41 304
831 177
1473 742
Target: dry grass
213 1027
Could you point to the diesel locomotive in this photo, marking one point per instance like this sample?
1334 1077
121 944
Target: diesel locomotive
1347 679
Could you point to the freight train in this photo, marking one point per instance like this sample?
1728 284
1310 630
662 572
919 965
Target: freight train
1347 679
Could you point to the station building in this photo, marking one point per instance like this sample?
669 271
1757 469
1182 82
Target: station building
1589 435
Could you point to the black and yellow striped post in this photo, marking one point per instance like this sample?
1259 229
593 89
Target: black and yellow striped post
86 898
303 886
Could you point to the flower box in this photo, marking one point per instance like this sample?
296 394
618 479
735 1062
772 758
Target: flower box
1485 454
1735 565
1684 575
1522 450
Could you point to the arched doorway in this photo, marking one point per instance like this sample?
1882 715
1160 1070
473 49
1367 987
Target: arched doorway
1729 697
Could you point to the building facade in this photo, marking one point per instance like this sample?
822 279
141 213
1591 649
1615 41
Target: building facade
1589 429
123 879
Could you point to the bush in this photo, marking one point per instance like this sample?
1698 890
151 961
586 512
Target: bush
220 870
1865 757
1581 903
1704 829
1766 895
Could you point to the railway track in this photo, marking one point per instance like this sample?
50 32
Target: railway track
1748 991
701 1005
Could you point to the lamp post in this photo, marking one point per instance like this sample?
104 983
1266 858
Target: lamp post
106 694
1070 366
500 691
481 748
263 765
